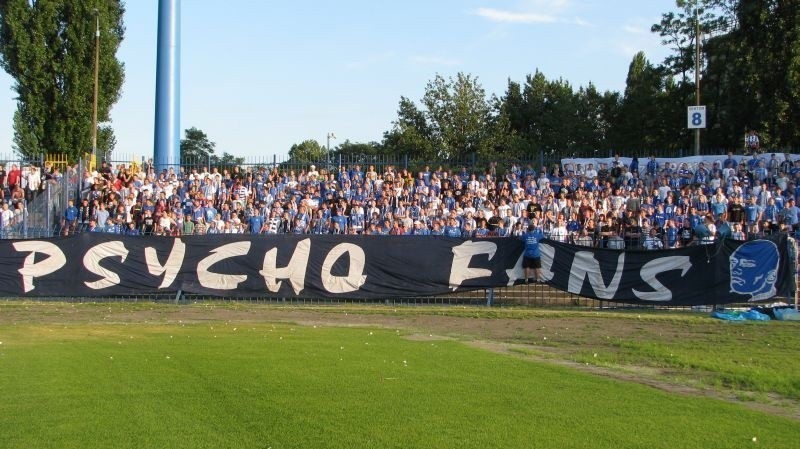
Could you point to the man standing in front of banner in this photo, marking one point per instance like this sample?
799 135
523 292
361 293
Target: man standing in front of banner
532 258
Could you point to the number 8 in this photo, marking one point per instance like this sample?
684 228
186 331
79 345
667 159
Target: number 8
697 119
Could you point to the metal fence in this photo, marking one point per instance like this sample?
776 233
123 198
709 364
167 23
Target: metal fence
520 296
331 163
37 214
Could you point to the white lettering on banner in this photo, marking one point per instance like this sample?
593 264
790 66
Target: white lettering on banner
517 272
585 265
171 268
218 281
137 262
295 272
30 269
661 265
460 271
355 275
548 255
95 254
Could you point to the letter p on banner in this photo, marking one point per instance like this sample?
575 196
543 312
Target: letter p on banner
31 269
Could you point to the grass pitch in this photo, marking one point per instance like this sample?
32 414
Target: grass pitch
254 384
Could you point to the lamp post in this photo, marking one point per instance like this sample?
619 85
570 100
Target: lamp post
328 149
696 75
96 83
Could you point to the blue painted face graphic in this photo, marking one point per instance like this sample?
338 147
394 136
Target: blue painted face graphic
754 269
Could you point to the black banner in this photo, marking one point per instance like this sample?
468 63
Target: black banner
723 273
376 267
96 264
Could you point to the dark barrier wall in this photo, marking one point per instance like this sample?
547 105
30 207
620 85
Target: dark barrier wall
722 273
384 267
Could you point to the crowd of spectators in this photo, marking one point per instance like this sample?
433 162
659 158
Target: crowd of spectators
20 184
649 204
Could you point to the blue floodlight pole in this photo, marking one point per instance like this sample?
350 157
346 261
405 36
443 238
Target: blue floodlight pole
168 87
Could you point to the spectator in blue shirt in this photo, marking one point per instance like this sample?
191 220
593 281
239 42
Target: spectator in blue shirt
791 214
482 230
93 226
132 229
452 229
730 162
420 229
752 215
71 215
256 223
532 257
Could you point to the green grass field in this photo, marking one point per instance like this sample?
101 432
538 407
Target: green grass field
120 380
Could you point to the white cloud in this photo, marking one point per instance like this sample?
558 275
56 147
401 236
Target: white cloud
553 7
497 15
581 22
532 12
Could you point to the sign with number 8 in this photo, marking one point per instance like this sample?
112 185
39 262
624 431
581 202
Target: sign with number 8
697 117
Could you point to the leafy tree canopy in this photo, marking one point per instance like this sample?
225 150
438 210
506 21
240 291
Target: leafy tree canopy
48 47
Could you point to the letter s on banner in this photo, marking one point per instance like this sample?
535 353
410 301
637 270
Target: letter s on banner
92 258
355 276
462 256
657 266
30 270
218 281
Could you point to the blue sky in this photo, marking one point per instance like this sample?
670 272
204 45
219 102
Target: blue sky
259 76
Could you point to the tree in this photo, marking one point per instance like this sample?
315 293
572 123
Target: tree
458 114
752 75
595 112
639 124
227 160
510 129
457 120
679 30
196 146
769 37
352 149
198 151
48 47
560 119
501 140
410 135
534 95
550 117
307 152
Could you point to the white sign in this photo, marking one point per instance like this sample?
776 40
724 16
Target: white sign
696 117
